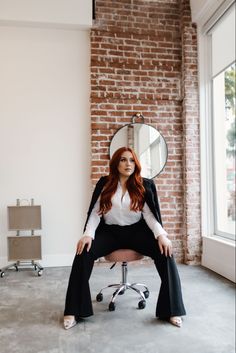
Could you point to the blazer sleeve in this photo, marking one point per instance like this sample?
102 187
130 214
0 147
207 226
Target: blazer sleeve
151 198
97 191
156 202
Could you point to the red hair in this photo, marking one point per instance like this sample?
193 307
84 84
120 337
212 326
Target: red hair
134 184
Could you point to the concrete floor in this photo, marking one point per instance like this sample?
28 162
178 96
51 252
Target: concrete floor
31 310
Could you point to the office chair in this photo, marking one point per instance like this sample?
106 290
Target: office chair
124 256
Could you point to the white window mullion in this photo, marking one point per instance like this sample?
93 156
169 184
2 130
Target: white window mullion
206 135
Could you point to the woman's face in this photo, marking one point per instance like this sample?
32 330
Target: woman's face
126 165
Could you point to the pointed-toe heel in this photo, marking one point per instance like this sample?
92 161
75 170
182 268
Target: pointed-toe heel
176 321
69 323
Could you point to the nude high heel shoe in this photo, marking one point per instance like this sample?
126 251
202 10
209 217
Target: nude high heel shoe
176 321
69 322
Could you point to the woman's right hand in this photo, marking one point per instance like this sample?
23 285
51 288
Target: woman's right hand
85 240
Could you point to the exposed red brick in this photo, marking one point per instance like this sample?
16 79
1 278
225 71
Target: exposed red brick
144 59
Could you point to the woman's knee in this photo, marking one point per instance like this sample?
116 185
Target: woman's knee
83 257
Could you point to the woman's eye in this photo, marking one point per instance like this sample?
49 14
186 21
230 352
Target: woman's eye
124 160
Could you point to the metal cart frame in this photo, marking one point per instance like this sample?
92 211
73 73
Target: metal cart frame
27 218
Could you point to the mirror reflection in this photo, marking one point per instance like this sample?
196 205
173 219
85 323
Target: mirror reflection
148 144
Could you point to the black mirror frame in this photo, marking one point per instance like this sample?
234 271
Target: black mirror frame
134 123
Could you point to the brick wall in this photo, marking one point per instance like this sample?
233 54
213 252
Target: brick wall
142 60
191 143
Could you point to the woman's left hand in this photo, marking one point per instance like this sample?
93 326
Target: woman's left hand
165 245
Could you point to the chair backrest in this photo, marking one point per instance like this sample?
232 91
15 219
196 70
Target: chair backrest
123 255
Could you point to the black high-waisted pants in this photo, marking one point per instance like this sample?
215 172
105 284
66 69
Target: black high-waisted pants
108 238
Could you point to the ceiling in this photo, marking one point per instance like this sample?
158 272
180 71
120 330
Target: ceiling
200 8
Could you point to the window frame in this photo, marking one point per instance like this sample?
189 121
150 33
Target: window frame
207 128
213 142
218 253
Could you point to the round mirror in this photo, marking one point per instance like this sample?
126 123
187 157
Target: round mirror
148 144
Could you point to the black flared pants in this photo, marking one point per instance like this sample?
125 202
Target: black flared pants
108 238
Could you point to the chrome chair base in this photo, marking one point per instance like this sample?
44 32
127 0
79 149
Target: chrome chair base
122 287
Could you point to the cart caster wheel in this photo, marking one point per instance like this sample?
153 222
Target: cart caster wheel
146 293
40 272
2 274
142 304
16 267
112 306
99 297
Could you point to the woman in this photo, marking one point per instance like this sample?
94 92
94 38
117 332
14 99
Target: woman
124 213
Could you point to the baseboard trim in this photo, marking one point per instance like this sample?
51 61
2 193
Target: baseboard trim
47 260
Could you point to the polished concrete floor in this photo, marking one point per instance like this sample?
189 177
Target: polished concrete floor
31 310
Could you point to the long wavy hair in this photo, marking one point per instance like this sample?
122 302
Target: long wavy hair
134 183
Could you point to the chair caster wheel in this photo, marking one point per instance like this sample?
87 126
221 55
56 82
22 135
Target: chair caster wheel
122 292
112 306
142 304
99 297
146 294
40 272
2 274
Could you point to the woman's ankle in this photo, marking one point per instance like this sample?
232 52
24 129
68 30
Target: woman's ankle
69 317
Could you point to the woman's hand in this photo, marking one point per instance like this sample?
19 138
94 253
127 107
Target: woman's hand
165 245
85 240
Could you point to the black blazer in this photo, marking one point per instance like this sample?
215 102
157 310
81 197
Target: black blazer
150 197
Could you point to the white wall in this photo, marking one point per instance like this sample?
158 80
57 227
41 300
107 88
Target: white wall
67 13
219 256
45 133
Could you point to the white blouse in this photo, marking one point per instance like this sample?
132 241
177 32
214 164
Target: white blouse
120 214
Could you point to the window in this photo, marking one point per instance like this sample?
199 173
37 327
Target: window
223 124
